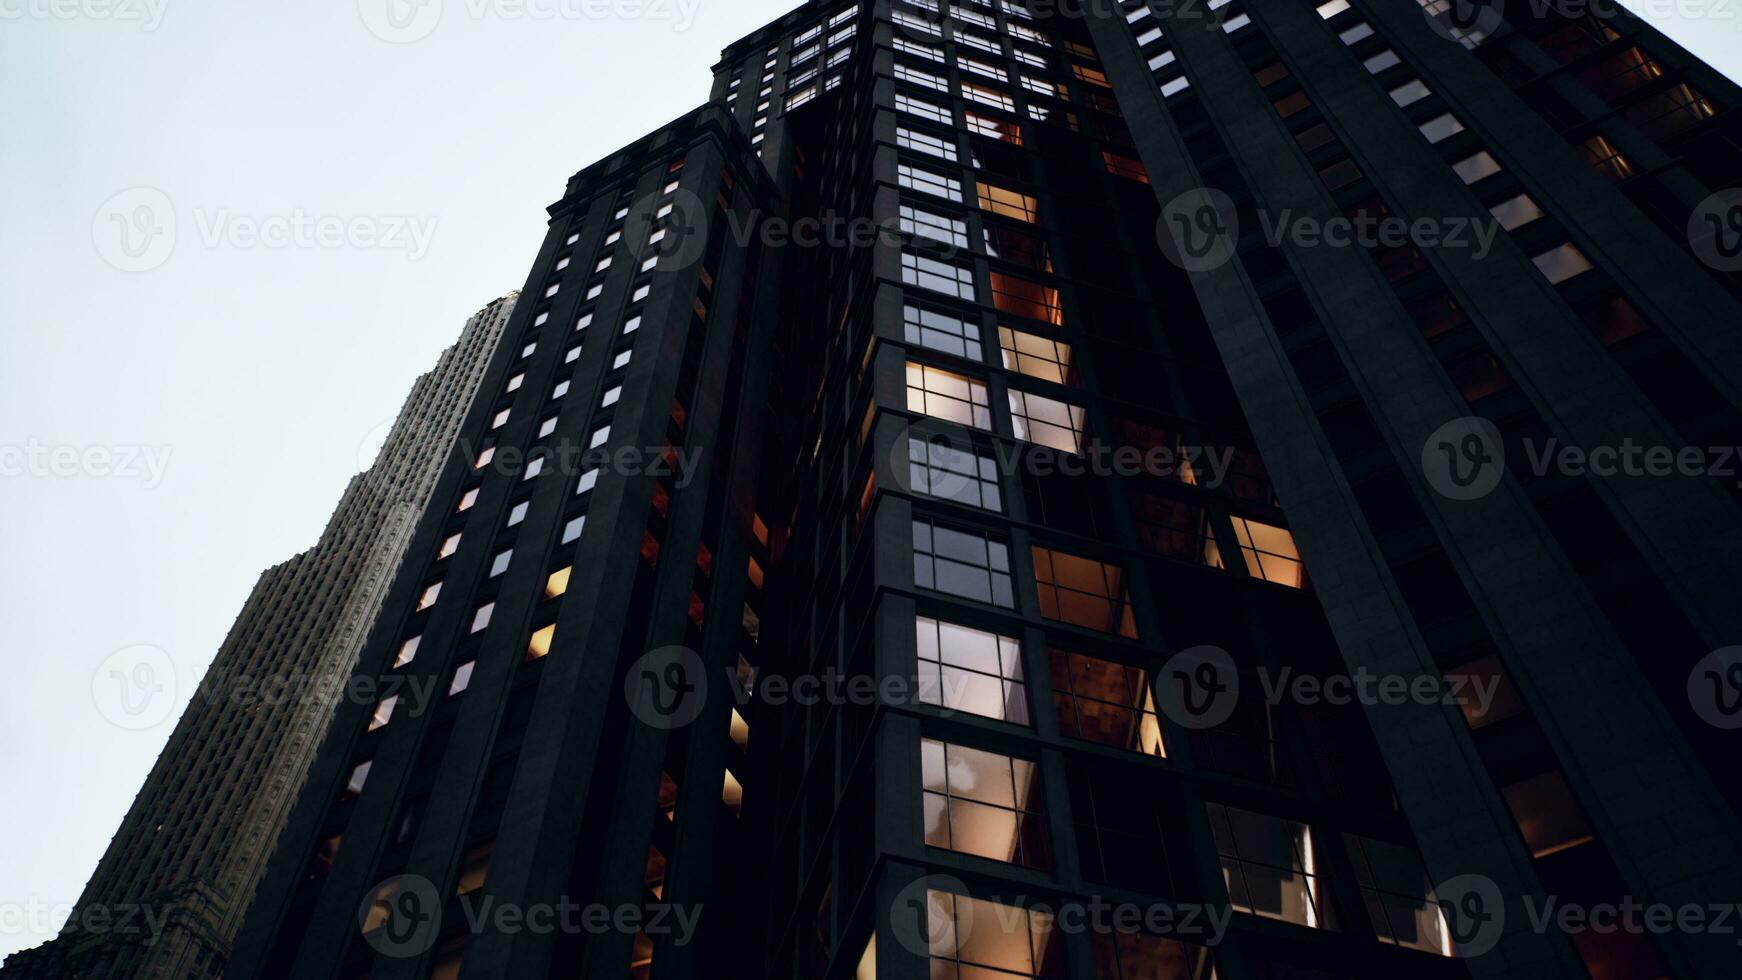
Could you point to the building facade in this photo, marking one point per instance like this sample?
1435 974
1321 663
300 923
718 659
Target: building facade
194 844
1079 491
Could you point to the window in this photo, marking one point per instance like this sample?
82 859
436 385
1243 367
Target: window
484 458
383 712
1477 166
937 227
428 597
600 436
1023 297
518 513
557 582
962 563
941 331
926 182
923 79
1516 212
462 678
1562 263
1381 61
407 651
533 468
1441 127
982 68
1047 422
948 396
993 940
1106 702
358 778
923 109
561 389
1270 553
481 618
467 499
1547 814
546 427
588 481
1410 93
539 645
1083 592
988 97
925 51
1355 35
939 470
925 143
1267 863
450 545
964 669
499 564
1487 674
1331 8
983 803
1037 356
1009 203
1398 895
1006 130
572 530
1137 955
942 277
1005 242
1124 166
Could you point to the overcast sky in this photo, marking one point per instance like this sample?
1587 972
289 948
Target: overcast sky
233 233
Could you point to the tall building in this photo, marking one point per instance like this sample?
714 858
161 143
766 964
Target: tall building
195 842
1014 490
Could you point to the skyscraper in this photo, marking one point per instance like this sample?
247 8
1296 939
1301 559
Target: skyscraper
1025 490
168 895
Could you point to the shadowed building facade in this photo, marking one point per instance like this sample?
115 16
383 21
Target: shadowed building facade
891 536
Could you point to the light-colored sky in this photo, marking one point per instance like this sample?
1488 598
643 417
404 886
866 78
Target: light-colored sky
233 233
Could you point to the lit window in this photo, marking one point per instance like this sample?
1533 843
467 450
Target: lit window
1047 421
941 331
942 277
474 866
1547 814
462 678
533 468
947 395
1083 592
1516 212
1476 166
611 396
923 109
925 143
450 545
1410 93
383 712
518 513
621 359
927 182
1398 895
937 227
539 645
500 418
481 618
1268 864
407 651
1381 61
358 778
1022 297
499 564
983 803
467 499
965 669
971 938
572 530
1270 553
558 582
1562 263
1037 356
546 427
1331 8
1006 130
990 97
921 78
599 438
1106 702
939 470
1357 34
484 458
428 598
1009 203
1124 166
1441 127
962 563
589 480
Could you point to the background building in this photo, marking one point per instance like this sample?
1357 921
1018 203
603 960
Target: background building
843 375
195 842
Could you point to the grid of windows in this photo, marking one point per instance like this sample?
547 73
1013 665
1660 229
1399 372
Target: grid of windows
937 469
1106 702
947 395
1267 863
965 669
1037 356
937 227
983 803
968 564
938 276
941 331
1047 422
1083 592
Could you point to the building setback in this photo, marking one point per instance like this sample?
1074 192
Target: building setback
887 540
194 844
